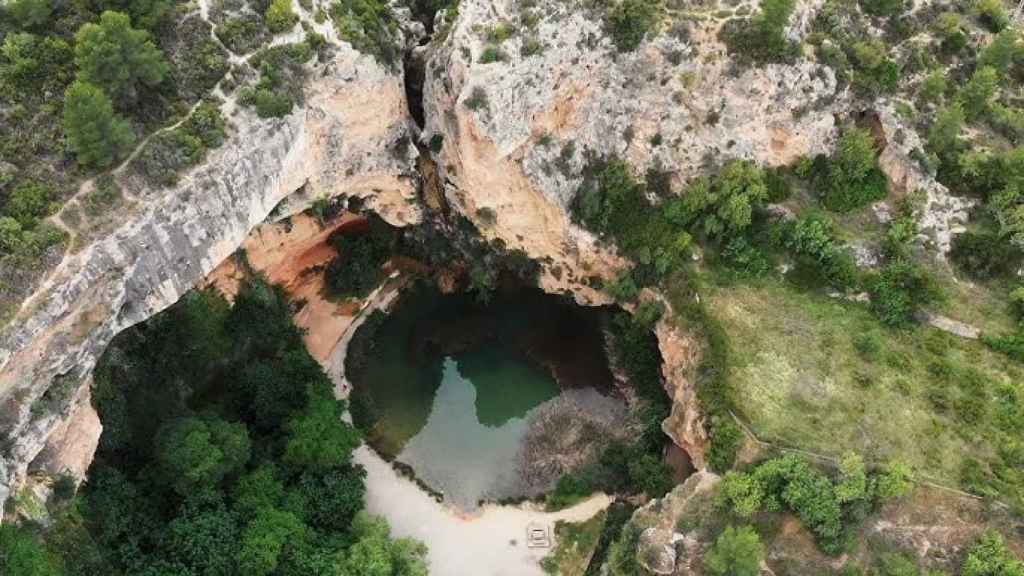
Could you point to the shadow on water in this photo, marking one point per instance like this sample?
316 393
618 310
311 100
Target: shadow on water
448 384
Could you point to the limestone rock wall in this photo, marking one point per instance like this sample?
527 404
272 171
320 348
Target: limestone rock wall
350 137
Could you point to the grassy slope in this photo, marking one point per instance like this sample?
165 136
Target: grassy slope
799 379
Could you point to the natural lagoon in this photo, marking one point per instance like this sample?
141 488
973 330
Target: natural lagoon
457 390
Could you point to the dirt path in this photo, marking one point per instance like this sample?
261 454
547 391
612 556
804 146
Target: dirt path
491 542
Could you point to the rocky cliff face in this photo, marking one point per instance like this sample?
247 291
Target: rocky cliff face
510 138
349 138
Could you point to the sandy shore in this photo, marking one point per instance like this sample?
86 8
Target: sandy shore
490 542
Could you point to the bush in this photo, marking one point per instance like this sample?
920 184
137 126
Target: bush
934 87
990 557
874 73
279 16
761 39
983 254
628 21
992 14
477 99
94 132
852 178
169 152
977 94
370 27
358 267
811 239
736 552
950 28
899 291
728 439
22 554
883 8
281 77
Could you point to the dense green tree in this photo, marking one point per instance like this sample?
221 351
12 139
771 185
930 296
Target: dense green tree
723 207
852 178
333 496
21 554
318 438
30 13
199 452
265 540
374 554
95 133
114 56
736 552
992 13
944 134
257 490
203 540
651 475
899 290
11 237
1004 50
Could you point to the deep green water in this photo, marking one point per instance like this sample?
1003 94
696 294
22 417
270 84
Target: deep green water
451 384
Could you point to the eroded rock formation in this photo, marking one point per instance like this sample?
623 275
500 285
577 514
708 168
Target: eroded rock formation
350 137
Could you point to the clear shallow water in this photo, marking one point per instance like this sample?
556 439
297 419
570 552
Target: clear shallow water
469 454
451 385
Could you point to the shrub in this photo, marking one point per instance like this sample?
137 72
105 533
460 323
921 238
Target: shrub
983 254
990 557
811 239
94 132
736 552
762 38
728 439
29 202
628 21
569 490
118 58
979 91
1001 54
852 178
281 78
369 26
950 28
875 73
22 554
477 99
944 134
171 151
933 87
992 14
492 54
279 16
884 8
899 290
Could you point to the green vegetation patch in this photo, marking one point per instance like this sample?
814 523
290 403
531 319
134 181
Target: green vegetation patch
282 75
370 27
940 403
170 152
576 542
358 267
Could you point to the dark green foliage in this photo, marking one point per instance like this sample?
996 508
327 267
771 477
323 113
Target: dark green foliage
727 441
899 290
31 65
149 14
851 178
492 54
628 21
279 16
223 453
29 202
198 453
374 554
30 13
358 267
436 143
983 254
280 85
874 72
736 552
812 241
977 94
95 133
992 14
762 38
369 26
883 8
170 152
118 58
21 554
